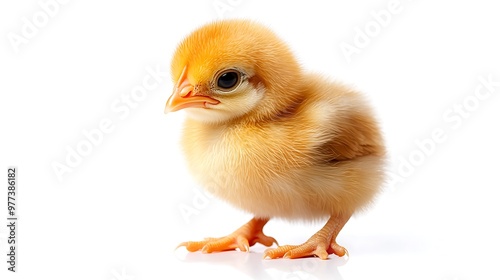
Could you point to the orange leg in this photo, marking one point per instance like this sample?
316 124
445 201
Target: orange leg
321 244
244 237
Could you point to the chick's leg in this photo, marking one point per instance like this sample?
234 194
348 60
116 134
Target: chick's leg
244 237
321 244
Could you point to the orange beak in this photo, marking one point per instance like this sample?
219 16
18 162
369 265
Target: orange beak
183 96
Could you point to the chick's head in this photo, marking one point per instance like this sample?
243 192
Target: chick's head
233 69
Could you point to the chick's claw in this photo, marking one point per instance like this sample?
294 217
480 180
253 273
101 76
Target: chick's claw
338 250
242 239
217 244
320 244
308 249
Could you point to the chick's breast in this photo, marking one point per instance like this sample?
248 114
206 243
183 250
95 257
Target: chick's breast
321 157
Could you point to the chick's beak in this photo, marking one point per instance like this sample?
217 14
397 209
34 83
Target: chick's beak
184 97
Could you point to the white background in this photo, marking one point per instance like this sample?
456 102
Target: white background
117 215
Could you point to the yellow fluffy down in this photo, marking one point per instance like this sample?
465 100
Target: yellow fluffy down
301 147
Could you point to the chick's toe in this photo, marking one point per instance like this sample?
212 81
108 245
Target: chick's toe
321 244
244 237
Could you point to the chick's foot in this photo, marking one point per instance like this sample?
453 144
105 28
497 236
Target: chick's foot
242 238
320 244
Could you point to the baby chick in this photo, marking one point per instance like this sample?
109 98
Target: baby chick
271 139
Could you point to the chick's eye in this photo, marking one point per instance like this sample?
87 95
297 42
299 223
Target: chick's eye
228 80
